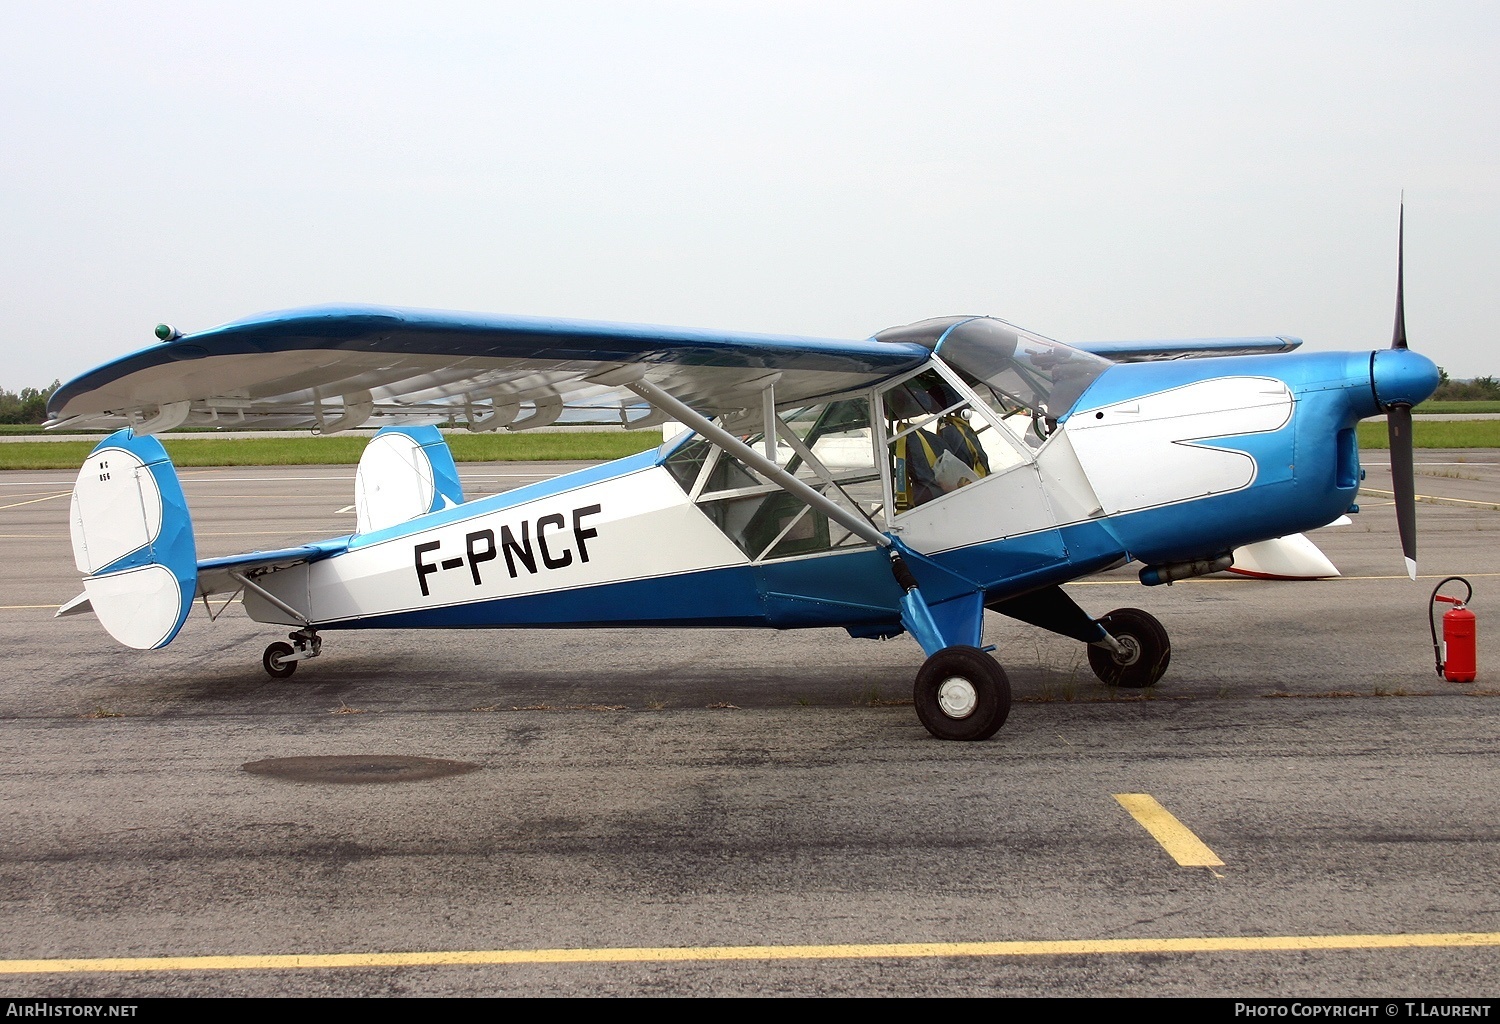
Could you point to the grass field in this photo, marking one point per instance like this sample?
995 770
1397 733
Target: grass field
1457 407
343 451
1439 434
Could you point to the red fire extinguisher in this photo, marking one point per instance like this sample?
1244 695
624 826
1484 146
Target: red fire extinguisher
1457 658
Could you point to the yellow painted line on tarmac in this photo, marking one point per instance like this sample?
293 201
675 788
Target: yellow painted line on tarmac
1198 581
33 501
20 607
1403 576
1436 499
1175 837
324 533
666 954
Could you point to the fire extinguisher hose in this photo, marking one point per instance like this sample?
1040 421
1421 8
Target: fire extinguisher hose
1437 652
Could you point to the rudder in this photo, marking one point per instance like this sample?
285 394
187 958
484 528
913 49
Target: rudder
133 541
403 473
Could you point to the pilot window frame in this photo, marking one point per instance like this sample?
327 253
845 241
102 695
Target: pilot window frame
968 398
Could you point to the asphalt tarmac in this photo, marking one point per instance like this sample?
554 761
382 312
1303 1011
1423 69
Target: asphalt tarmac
738 812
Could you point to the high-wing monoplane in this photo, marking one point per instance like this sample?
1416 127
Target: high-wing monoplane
902 483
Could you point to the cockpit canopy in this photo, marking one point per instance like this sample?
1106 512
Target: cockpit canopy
1032 371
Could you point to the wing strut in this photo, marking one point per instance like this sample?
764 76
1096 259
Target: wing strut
916 615
683 413
250 584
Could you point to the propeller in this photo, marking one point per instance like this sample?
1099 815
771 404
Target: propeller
1398 427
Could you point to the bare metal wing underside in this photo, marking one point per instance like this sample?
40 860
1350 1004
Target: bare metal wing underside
333 368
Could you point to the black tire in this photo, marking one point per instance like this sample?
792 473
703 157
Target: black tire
1150 650
275 667
976 708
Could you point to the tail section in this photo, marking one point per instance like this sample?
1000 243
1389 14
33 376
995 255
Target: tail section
403 473
133 541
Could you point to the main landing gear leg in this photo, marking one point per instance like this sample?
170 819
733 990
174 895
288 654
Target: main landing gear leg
280 660
961 692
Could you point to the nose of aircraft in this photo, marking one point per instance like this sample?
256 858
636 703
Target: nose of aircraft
1400 376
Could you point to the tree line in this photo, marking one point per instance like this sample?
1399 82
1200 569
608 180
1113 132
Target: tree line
29 405
1480 389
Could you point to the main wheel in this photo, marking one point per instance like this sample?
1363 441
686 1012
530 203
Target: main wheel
962 694
273 660
1147 650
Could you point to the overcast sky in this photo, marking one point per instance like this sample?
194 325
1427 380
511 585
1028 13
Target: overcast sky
1089 171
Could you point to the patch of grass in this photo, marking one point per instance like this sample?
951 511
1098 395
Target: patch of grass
1458 407
345 451
1435 434
873 696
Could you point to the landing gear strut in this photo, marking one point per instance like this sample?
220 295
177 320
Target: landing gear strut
280 660
1142 650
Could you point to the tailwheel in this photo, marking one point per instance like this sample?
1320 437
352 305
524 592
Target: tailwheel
280 660
1146 650
962 694
276 661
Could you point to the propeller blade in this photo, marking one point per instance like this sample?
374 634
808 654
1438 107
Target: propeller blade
1403 476
1398 338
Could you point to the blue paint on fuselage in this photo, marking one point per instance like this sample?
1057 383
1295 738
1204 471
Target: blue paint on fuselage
1307 474
1302 372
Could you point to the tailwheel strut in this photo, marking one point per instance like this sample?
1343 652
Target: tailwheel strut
280 659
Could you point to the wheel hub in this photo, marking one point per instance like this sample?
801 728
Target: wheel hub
1132 652
957 697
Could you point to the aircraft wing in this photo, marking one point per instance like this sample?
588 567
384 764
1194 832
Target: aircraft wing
1186 348
336 367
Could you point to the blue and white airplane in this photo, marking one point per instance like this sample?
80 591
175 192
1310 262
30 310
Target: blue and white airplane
905 482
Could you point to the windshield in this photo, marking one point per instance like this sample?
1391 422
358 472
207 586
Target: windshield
1029 370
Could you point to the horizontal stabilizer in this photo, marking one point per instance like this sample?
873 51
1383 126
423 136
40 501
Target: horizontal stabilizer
217 575
77 606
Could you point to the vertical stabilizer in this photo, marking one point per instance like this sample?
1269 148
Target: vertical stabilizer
133 540
403 473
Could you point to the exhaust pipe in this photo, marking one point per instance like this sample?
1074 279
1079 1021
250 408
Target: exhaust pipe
1156 575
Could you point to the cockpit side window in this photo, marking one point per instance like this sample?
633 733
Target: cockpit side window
829 447
1030 371
938 440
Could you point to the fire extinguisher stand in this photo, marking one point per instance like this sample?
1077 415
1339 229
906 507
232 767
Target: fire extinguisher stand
1457 657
